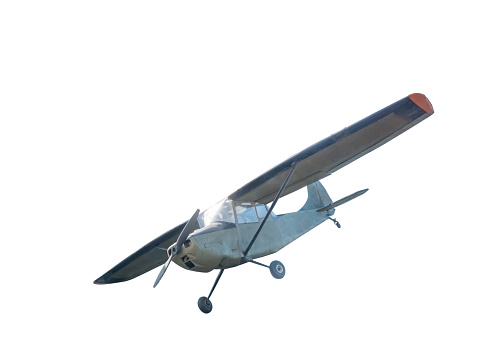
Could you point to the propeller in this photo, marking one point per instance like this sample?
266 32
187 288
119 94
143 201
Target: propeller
175 248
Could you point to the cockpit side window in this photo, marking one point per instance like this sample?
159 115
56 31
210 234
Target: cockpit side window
261 210
245 213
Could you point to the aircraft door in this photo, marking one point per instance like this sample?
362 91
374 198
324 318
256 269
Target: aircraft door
248 217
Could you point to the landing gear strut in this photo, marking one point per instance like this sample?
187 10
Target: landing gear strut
204 303
276 267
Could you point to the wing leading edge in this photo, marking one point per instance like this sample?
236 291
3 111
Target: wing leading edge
147 258
338 150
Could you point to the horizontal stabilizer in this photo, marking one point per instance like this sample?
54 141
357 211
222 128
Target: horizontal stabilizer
344 200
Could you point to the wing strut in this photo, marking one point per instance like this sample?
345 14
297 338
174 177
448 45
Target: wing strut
278 195
276 268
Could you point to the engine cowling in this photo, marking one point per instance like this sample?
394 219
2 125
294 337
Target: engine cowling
200 256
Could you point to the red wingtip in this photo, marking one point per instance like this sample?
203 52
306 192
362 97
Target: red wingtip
422 101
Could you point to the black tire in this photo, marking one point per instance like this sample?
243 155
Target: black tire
205 304
277 269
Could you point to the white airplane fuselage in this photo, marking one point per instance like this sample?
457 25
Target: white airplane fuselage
222 245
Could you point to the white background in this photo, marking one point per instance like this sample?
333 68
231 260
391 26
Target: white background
119 119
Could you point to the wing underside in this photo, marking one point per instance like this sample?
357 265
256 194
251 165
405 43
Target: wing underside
338 150
145 259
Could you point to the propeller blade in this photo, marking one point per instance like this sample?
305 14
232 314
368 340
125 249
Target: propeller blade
190 225
187 230
163 270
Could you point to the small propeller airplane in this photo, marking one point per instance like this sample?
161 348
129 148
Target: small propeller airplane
242 227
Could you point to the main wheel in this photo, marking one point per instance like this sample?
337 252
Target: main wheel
205 304
277 269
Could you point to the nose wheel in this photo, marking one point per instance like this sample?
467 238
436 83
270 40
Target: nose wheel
204 303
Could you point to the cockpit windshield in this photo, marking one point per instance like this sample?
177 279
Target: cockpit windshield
221 211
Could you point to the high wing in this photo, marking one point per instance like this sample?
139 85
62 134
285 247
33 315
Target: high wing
337 150
147 258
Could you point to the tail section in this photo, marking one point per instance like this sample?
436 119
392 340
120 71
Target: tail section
318 198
